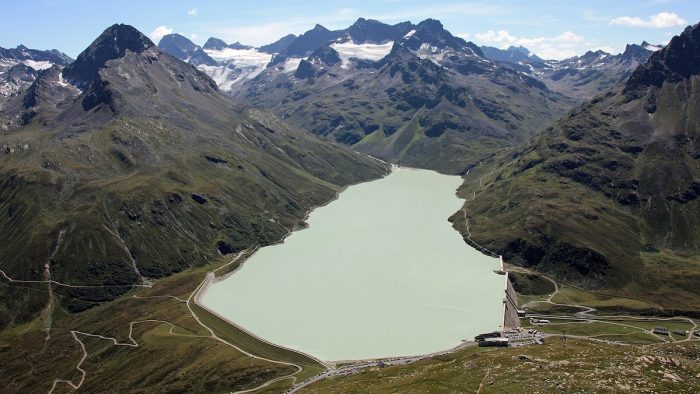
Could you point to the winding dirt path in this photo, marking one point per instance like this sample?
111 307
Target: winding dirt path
67 285
586 315
483 381
77 335
132 343
195 296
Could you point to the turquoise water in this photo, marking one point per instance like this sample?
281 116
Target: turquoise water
379 272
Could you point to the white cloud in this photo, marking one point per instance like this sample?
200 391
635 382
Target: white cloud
561 46
347 12
193 36
159 32
658 21
193 12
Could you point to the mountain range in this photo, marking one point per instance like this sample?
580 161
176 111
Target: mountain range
464 103
137 165
580 76
414 94
19 67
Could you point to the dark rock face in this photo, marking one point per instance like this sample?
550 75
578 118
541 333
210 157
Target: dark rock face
678 60
311 40
635 53
176 45
568 261
45 91
431 31
219 44
225 247
213 43
182 48
368 30
111 44
326 55
24 53
305 70
279 45
20 74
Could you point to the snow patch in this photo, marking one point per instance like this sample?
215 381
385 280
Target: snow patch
7 63
62 82
652 48
41 65
291 65
225 77
432 53
240 56
350 50
409 34
235 65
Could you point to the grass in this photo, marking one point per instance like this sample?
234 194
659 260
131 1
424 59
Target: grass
530 284
250 344
590 205
599 330
573 295
162 362
557 366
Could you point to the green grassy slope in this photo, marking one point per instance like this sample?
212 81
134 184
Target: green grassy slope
607 197
557 366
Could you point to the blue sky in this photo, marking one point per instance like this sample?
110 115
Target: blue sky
552 29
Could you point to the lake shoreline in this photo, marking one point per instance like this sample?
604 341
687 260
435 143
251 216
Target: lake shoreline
305 225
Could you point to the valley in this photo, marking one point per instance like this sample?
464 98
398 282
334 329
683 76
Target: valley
338 211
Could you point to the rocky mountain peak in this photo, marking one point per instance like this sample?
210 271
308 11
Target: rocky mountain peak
369 30
311 40
431 32
279 45
113 43
182 48
325 55
21 52
634 52
215 44
176 45
519 49
678 60
21 72
238 45
431 25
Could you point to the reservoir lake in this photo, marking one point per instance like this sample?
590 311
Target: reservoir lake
379 272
